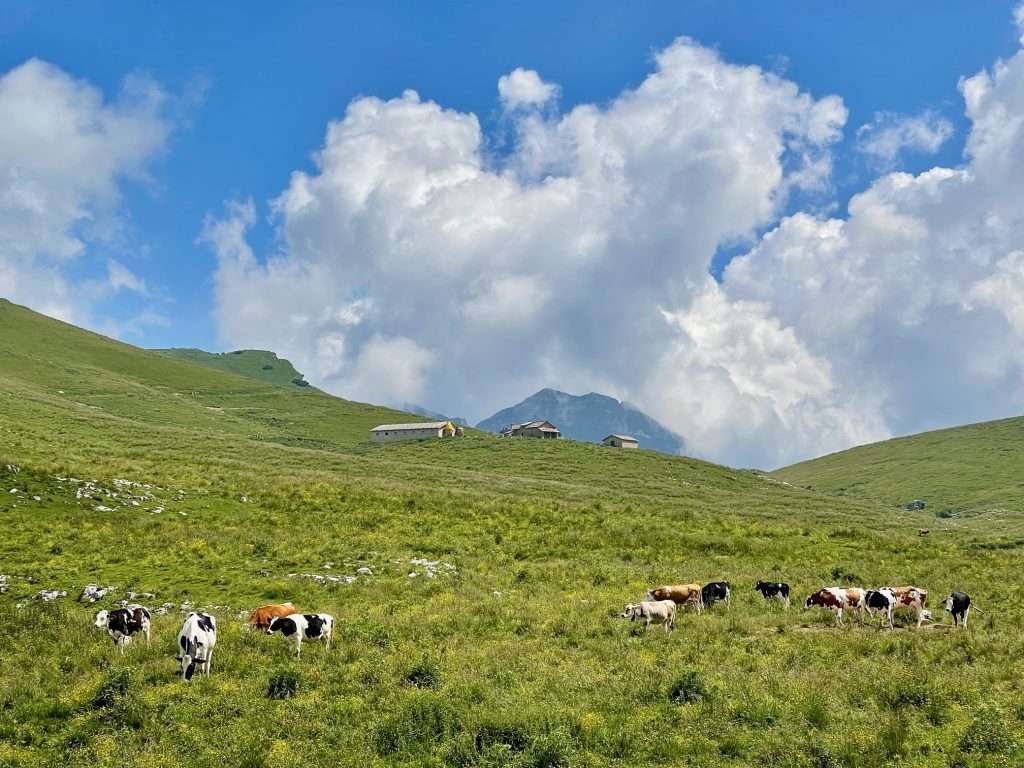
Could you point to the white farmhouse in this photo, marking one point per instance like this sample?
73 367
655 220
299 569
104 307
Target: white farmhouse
388 433
621 441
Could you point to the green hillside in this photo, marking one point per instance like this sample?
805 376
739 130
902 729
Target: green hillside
973 469
253 363
486 632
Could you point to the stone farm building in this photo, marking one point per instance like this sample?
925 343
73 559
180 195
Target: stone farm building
543 429
621 441
388 433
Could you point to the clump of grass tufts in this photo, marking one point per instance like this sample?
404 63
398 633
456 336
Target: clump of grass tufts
283 685
115 686
815 710
425 673
689 688
413 724
892 740
988 733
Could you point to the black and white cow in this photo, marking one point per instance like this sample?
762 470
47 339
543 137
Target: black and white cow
196 639
716 591
122 623
959 605
881 601
774 590
311 626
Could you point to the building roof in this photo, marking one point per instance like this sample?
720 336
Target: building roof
538 424
624 438
405 427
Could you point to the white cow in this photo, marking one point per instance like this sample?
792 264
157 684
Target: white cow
195 643
652 612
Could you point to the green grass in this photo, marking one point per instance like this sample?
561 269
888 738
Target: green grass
252 363
977 469
514 658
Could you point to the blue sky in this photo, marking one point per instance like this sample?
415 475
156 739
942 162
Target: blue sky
249 90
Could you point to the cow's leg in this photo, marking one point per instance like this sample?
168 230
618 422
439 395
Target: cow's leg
208 664
839 616
785 602
147 636
966 612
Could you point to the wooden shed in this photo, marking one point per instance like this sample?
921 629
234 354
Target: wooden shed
621 441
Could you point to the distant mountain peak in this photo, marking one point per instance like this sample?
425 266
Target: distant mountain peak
588 418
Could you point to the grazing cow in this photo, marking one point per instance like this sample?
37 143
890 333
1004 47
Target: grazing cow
652 612
122 623
836 599
855 601
312 626
716 591
959 605
680 594
262 616
196 639
914 599
774 590
881 601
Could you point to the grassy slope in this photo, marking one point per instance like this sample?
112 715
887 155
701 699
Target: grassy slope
518 657
252 363
978 468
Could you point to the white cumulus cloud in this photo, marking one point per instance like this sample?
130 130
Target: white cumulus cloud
524 88
414 268
888 135
64 151
915 298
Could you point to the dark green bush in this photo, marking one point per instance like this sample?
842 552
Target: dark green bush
116 685
988 733
419 721
425 673
688 689
283 685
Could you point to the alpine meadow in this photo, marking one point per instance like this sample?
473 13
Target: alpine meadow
477 584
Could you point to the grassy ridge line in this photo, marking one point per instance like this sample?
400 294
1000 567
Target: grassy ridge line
251 363
969 469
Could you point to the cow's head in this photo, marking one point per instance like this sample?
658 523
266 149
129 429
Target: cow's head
190 658
650 594
629 612
102 619
759 587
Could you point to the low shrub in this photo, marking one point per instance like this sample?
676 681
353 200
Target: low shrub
689 688
988 733
283 685
425 673
115 685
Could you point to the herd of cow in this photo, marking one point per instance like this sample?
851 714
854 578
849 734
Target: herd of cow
198 634
663 603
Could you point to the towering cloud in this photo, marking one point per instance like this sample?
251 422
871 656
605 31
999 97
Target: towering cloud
414 266
63 153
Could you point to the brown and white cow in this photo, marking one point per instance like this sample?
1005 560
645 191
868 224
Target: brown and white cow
913 599
652 612
262 616
680 594
837 600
